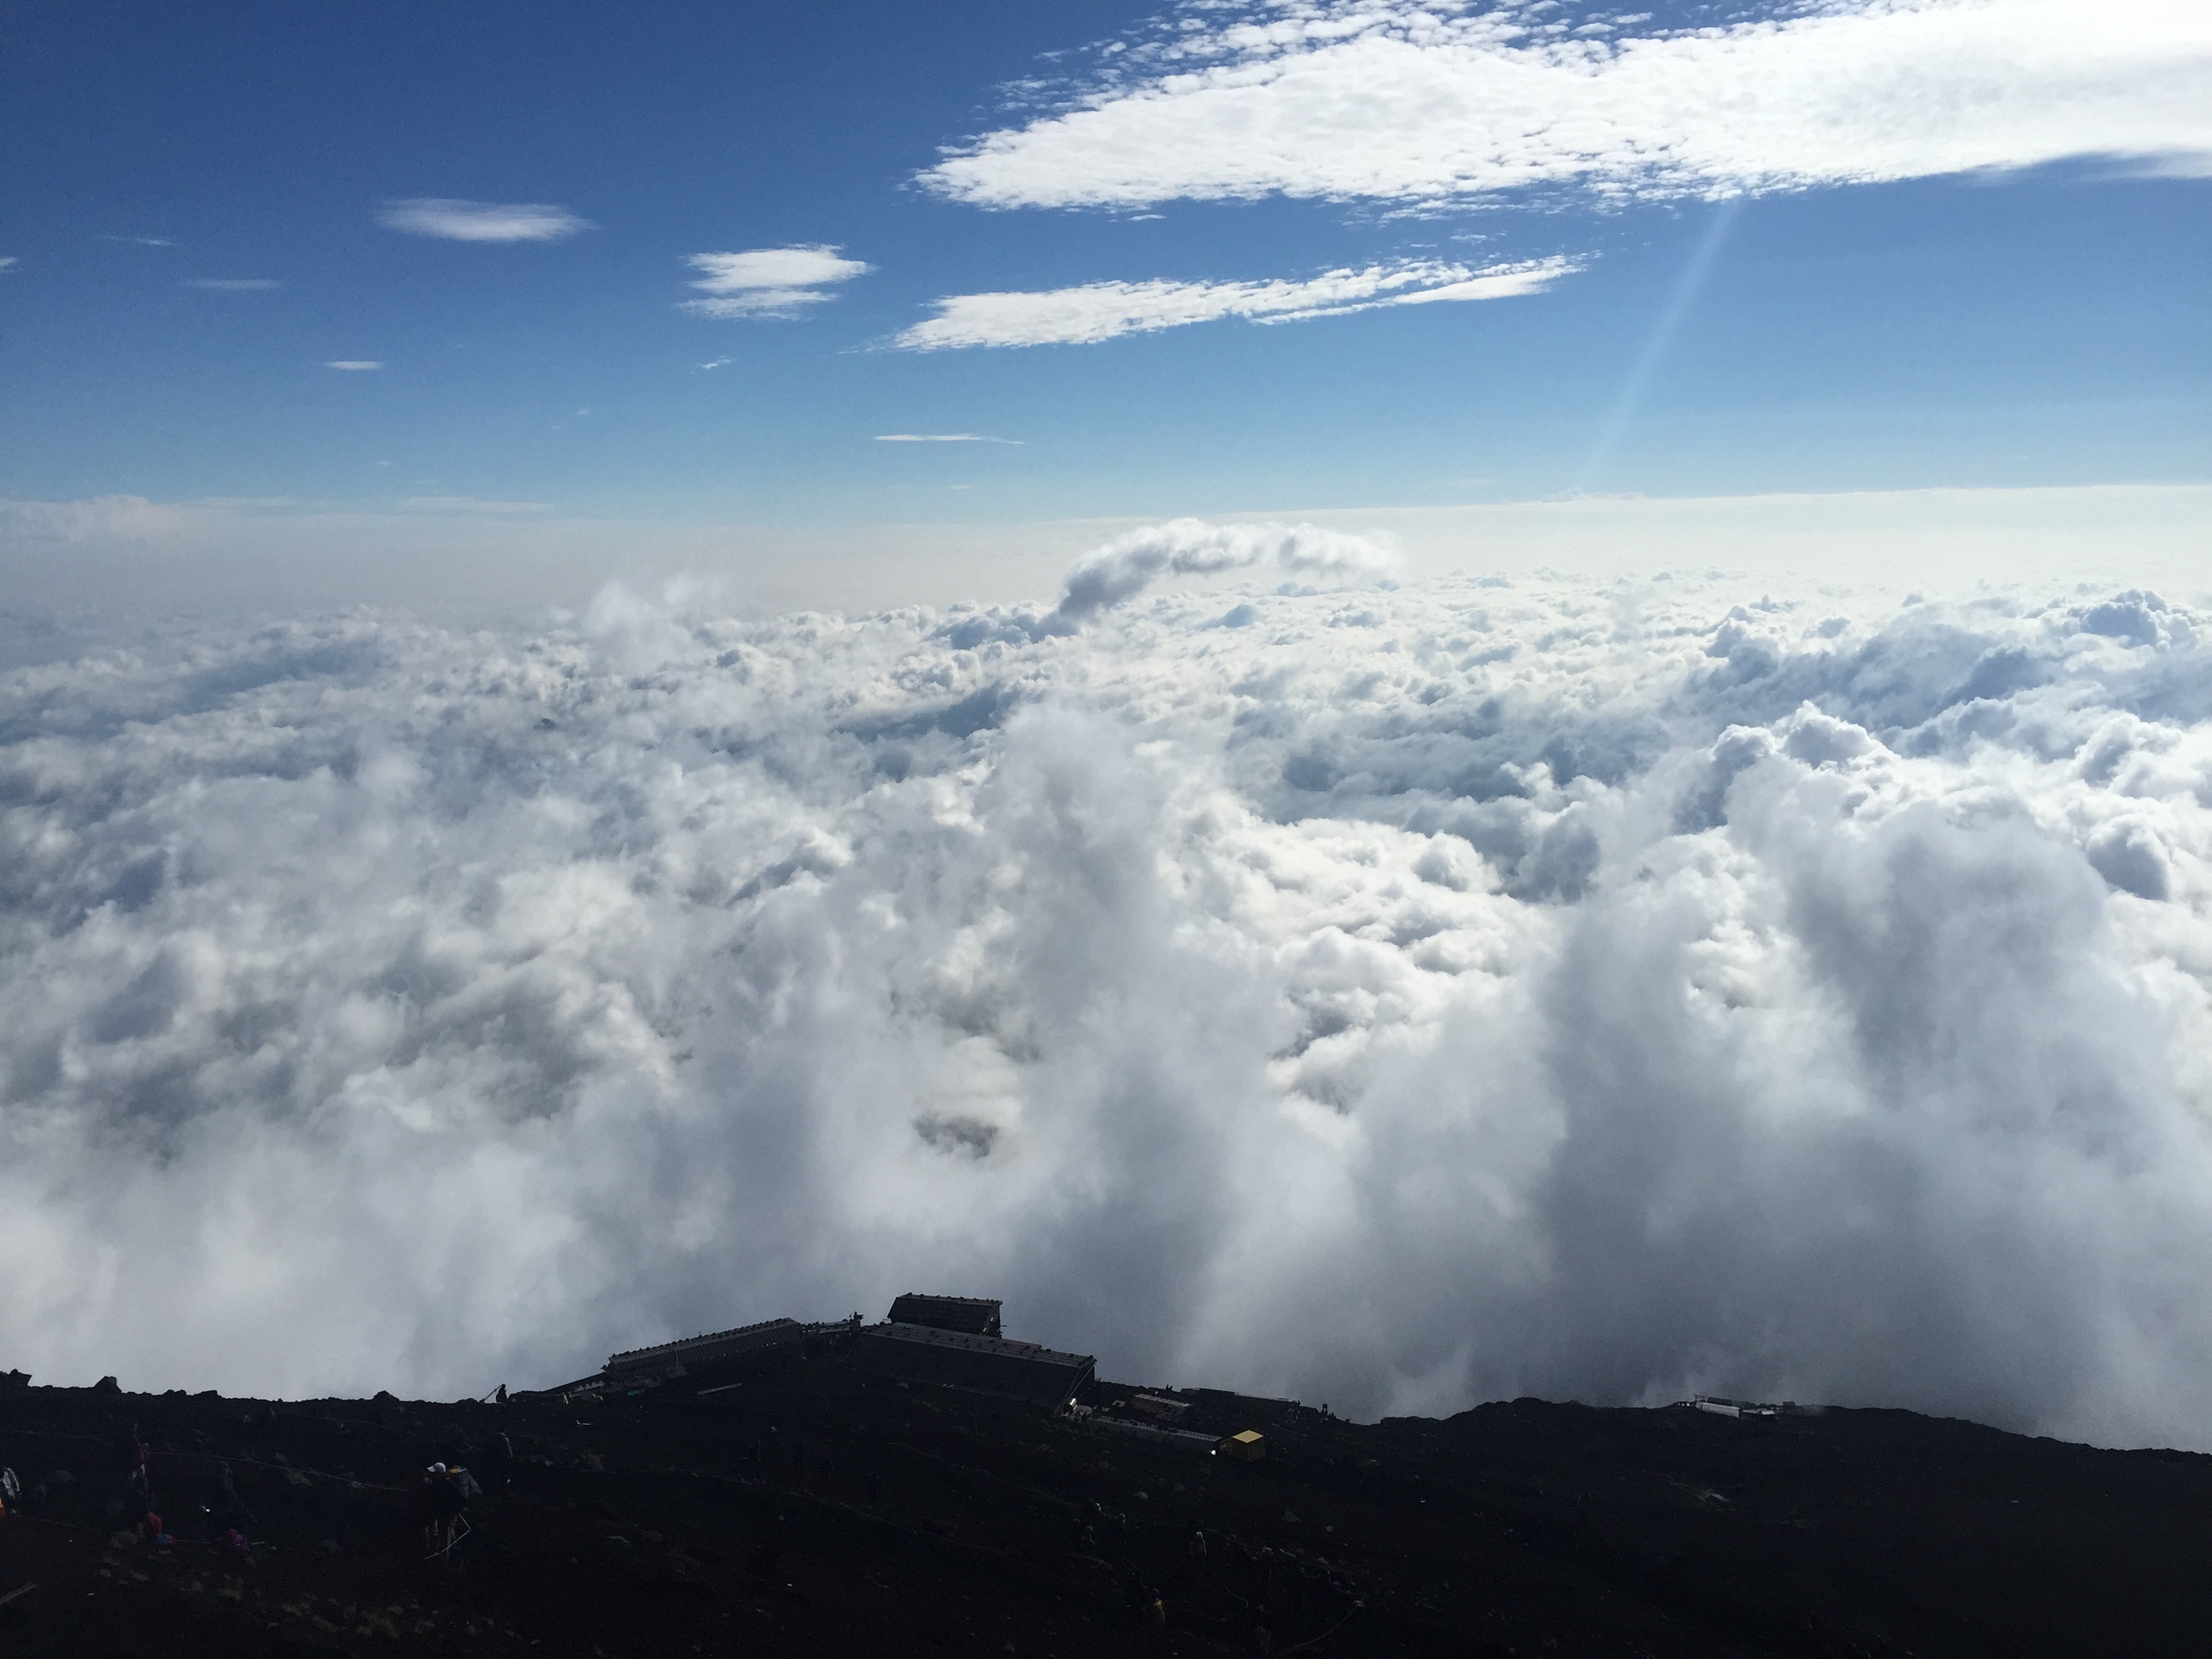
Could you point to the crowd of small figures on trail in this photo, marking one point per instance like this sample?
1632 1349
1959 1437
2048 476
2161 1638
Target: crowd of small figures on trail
796 1503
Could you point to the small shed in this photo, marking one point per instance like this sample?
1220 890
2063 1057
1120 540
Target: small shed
1249 1447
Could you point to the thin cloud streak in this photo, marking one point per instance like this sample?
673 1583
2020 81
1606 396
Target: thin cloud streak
234 284
942 438
450 219
1393 101
470 504
1104 311
354 365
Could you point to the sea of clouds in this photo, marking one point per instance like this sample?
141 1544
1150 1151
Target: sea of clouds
1392 997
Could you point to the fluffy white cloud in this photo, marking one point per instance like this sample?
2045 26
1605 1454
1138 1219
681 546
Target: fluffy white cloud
1125 567
481 222
1102 310
1393 997
769 282
1405 102
354 365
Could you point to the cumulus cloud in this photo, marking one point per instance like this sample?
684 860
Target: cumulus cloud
1393 996
1102 311
1400 101
354 365
1125 567
234 284
455 220
769 282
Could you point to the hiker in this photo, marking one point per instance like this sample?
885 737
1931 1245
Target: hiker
137 1476
226 1510
438 1503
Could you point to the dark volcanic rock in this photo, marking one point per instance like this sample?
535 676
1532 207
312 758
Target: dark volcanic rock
800 1507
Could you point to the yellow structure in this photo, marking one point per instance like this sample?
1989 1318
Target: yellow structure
1251 1446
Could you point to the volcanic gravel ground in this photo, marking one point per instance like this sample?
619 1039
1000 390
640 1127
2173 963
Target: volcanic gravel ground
797 1507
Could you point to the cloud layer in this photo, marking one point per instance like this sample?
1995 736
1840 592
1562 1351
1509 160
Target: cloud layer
1410 103
1391 997
1102 311
769 282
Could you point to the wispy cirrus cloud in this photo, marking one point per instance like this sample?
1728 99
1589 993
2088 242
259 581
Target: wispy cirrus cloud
7 262
1102 311
456 221
769 282
942 438
1403 101
354 365
234 284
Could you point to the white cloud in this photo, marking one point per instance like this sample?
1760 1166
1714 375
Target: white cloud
718 362
1103 310
941 438
1603 994
356 365
234 284
8 261
767 281
1125 567
481 222
1401 101
1587 990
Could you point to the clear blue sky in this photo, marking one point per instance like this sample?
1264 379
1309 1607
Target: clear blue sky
1848 312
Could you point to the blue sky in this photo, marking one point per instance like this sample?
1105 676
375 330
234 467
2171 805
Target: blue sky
2010 293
